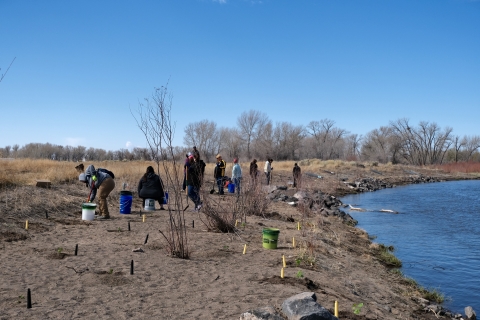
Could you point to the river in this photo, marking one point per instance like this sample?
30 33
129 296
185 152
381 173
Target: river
436 234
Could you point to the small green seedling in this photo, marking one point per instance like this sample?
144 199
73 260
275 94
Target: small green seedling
243 224
300 274
119 229
298 261
110 271
59 250
357 307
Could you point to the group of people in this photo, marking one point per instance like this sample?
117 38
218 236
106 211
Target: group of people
150 185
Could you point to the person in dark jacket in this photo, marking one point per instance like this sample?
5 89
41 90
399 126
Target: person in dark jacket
150 186
254 171
219 173
101 181
297 176
194 182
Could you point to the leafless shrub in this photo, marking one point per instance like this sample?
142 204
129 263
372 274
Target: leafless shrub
253 200
218 216
154 120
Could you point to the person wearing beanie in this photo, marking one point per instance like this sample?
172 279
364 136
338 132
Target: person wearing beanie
101 181
237 175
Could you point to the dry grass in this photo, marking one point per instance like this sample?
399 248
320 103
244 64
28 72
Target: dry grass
464 167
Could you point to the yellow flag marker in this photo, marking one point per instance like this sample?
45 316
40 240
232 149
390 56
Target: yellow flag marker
284 263
293 242
245 248
236 222
281 273
143 218
26 224
298 225
336 309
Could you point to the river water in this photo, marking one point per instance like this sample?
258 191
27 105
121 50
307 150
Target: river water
436 235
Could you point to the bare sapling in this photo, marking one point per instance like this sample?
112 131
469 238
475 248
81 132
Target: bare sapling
154 120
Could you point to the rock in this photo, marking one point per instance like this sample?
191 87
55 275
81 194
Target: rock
304 306
265 313
470 313
300 195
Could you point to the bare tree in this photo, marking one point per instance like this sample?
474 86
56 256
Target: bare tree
204 136
154 120
471 145
353 144
251 123
327 136
426 144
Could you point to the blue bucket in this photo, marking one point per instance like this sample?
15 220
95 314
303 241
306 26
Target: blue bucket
126 199
165 199
231 187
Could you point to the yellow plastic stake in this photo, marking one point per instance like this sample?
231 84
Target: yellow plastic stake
143 218
281 273
26 225
298 225
236 222
284 263
245 248
293 242
336 309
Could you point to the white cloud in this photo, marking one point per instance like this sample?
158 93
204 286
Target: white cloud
129 145
220 1
74 142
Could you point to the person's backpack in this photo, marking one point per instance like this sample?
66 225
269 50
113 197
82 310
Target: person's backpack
110 173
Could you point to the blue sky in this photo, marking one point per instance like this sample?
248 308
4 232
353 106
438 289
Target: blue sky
81 65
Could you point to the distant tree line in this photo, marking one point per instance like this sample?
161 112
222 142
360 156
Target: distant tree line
255 136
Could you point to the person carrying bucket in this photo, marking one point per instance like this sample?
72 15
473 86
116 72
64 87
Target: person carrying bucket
101 181
150 186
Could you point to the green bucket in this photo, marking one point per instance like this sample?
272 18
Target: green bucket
270 238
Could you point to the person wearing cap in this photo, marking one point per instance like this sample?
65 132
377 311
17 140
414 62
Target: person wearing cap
150 186
219 173
237 175
194 182
297 175
268 169
101 181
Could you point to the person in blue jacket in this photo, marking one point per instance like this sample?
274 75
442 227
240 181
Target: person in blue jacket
150 186
101 181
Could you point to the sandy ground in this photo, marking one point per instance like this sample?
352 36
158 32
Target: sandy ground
218 281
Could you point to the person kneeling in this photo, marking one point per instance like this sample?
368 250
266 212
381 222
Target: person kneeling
150 186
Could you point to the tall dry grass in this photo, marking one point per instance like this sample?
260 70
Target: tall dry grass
464 167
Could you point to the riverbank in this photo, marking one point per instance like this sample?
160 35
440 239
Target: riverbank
331 258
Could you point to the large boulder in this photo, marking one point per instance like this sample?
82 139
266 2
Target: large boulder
304 306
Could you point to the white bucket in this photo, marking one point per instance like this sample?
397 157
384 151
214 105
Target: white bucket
150 204
88 211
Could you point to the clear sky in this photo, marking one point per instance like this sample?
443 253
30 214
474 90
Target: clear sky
81 65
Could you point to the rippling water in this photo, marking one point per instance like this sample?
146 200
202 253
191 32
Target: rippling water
436 234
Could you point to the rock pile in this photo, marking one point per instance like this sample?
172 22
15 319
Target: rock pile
315 202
